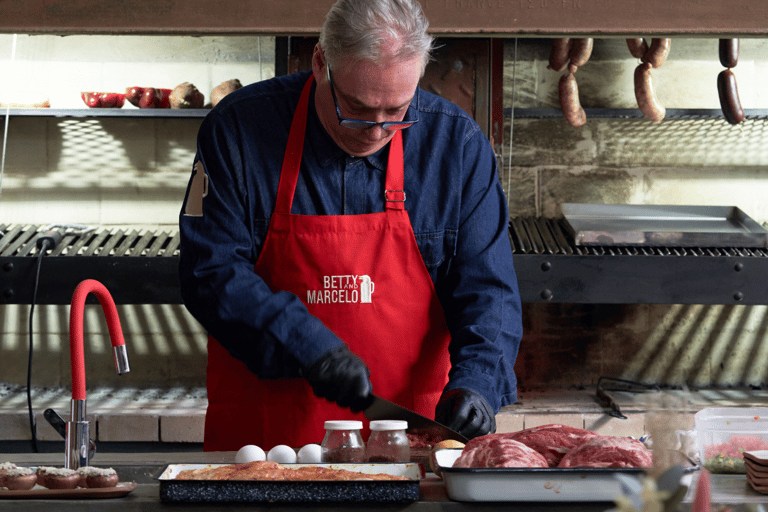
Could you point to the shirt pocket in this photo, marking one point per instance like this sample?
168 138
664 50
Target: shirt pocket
436 247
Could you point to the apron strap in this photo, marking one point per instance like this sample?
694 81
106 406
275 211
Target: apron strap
289 173
394 195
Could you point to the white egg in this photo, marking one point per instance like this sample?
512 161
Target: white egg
282 454
249 453
310 454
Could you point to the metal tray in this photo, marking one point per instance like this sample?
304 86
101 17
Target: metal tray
172 490
530 484
662 225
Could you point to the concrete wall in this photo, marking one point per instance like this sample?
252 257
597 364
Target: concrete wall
133 172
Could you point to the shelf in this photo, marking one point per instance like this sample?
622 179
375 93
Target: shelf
520 113
631 113
106 112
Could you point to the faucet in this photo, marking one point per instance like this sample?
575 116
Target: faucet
76 446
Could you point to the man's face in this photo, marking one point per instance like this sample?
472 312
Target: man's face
367 91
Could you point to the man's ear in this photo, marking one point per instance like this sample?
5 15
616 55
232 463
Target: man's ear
318 63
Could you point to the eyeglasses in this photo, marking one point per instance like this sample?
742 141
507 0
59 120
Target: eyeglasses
360 124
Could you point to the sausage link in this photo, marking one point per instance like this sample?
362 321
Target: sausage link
559 55
729 52
637 47
569 101
646 99
581 49
658 51
729 97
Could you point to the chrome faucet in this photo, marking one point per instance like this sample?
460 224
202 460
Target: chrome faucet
77 439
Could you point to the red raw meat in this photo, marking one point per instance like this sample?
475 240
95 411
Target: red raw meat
553 441
608 452
499 451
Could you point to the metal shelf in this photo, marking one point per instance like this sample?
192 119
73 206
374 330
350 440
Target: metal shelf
197 113
630 113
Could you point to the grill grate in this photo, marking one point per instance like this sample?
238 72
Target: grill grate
19 240
550 236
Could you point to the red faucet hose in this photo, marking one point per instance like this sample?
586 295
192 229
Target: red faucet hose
76 329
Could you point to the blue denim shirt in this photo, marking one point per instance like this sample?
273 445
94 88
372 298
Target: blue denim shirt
454 199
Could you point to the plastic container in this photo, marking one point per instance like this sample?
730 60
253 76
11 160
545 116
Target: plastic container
343 442
723 434
388 442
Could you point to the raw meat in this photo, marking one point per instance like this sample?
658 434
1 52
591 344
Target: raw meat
553 441
608 452
499 451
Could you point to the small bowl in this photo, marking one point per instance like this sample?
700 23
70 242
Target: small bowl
103 99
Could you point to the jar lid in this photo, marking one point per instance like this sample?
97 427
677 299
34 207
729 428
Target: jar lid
389 425
343 425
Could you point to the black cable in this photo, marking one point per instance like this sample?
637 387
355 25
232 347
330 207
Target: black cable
32 426
45 240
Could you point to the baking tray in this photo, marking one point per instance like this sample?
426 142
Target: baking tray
662 225
530 484
172 490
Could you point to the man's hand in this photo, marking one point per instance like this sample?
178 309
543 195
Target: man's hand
466 412
342 377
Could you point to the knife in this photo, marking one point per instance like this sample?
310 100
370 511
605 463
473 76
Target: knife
383 409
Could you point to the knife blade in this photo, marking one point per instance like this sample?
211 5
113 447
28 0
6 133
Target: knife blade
382 409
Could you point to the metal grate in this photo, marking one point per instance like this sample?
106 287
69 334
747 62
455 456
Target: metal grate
549 236
20 240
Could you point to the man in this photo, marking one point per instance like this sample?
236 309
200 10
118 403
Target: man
345 233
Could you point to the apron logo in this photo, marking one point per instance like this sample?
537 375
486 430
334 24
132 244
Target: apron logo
342 289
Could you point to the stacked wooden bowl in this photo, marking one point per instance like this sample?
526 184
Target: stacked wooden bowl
756 463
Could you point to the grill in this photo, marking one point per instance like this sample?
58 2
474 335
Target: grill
551 268
141 268
137 268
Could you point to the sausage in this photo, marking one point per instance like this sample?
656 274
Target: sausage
658 51
646 99
729 97
559 55
729 52
569 101
637 47
580 51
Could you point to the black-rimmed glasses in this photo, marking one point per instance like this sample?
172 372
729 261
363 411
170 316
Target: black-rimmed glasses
360 124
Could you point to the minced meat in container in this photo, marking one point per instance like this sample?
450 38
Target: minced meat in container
723 434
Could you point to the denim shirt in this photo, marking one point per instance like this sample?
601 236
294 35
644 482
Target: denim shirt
453 196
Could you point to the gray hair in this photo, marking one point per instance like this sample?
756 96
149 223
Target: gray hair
361 29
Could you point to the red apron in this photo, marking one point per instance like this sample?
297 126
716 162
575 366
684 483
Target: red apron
364 278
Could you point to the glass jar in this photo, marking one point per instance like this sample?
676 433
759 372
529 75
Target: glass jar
343 442
388 442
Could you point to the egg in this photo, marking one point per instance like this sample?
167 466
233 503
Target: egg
282 454
310 454
249 453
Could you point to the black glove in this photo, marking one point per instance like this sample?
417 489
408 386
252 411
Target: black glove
466 412
342 377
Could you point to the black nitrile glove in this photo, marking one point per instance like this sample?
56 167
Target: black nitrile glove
342 377
466 412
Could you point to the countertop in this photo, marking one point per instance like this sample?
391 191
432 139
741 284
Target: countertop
144 468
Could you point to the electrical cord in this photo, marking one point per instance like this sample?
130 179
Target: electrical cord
46 240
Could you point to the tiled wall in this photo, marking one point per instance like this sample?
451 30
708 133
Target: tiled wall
133 172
